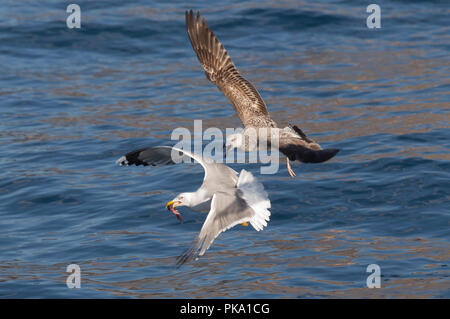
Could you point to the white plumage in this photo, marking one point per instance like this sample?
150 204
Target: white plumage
231 199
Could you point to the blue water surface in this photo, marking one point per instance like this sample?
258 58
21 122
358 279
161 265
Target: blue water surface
72 101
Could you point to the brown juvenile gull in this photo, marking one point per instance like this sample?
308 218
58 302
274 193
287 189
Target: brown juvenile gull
229 198
247 102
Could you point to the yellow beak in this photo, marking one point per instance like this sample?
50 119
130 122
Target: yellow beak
173 202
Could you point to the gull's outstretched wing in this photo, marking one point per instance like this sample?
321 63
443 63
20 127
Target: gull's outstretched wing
220 70
165 155
158 155
227 210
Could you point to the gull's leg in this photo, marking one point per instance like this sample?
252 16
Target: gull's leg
288 166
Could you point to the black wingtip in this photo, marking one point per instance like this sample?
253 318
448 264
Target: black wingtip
191 14
332 151
318 156
325 155
191 254
132 158
188 256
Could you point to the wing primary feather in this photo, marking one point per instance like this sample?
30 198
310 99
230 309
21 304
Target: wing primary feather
220 70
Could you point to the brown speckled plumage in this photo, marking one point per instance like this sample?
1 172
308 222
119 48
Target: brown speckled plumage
220 70
244 97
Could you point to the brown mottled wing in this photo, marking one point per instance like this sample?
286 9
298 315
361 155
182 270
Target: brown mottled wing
220 70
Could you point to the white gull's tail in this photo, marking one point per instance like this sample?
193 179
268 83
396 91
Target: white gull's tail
256 197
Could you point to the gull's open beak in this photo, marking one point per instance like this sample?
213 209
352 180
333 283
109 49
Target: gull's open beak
171 206
172 203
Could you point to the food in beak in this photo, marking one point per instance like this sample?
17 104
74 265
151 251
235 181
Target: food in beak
174 211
